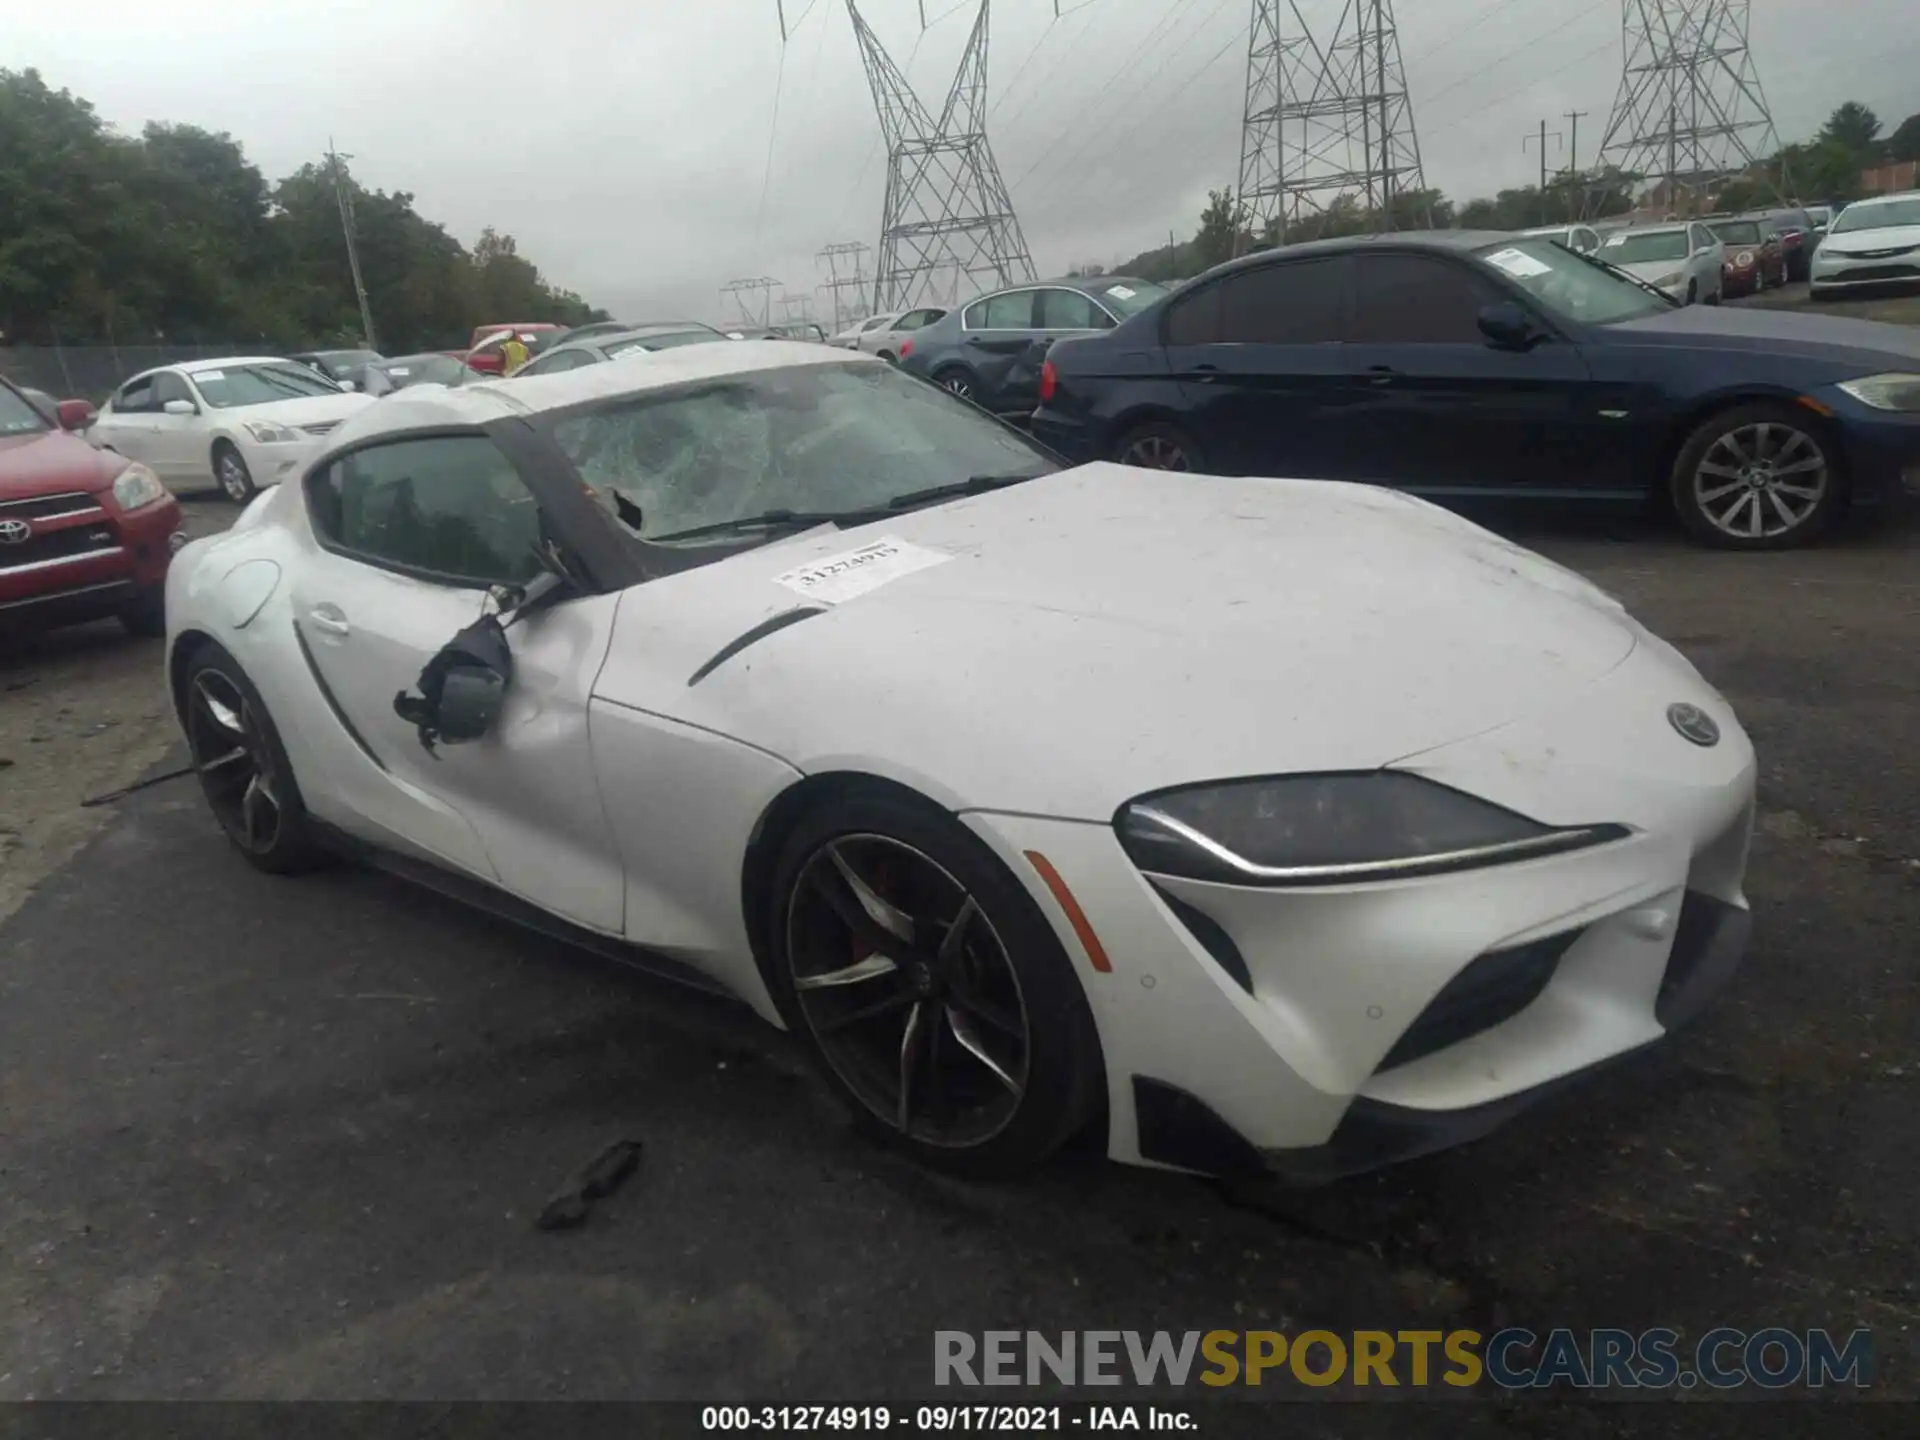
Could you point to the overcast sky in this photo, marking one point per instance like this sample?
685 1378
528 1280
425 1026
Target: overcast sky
632 146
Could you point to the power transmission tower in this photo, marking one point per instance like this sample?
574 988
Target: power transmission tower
342 193
846 282
948 217
795 309
1690 110
754 312
1327 120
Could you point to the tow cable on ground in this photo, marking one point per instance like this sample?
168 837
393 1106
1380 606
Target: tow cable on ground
138 785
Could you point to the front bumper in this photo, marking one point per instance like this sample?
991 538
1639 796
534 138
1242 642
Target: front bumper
86 560
1863 272
1318 1031
1882 449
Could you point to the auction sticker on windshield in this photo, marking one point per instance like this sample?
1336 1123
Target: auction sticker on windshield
855 572
1518 264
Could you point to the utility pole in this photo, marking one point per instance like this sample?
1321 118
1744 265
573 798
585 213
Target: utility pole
1573 118
345 200
1543 138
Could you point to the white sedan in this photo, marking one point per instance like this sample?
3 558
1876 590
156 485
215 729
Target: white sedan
242 424
1280 823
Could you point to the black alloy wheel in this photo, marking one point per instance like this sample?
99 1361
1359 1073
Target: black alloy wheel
935 996
242 766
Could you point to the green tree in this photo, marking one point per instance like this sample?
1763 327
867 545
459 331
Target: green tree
174 234
1214 242
1852 126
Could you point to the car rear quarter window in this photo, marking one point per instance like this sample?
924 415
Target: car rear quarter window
1416 300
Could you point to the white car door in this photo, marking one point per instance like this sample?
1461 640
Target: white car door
408 535
126 426
180 448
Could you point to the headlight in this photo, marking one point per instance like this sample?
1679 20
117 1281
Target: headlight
137 486
1332 830
1665 280
1895 391
268 433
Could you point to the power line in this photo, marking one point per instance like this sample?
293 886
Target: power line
1532 82
1521 48
773 131
1040 88
1112 139
1095 135
1462 31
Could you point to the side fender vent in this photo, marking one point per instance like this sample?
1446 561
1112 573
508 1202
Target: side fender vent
771 625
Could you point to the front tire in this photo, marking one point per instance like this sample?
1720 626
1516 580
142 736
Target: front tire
1758 477
244 771
934 995
230 472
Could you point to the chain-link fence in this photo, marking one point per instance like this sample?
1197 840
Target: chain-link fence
92 372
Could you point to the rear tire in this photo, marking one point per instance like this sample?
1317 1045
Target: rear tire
1158 445
989 1035
959 383
244 770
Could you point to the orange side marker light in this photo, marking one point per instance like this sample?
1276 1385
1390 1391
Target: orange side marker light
1076 917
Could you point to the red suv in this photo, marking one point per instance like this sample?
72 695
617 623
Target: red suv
83 533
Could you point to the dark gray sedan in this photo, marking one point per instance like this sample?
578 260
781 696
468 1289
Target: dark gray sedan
597 349
990 351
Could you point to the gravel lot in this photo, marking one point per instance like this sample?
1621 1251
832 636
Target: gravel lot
271 1138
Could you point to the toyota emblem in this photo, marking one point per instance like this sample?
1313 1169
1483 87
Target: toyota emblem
14 532
1694 724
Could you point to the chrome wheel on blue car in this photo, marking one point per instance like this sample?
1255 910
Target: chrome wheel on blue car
1757 478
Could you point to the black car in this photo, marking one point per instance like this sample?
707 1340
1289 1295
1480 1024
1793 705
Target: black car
336 365
1462 364
989 351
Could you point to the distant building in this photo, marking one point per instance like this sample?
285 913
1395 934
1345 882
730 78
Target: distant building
1888 179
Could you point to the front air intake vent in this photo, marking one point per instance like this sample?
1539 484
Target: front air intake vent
1497 986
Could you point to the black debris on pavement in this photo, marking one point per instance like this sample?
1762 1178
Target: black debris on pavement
570 1205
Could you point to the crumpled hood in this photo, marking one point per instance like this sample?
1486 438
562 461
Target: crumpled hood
48 462
1079 639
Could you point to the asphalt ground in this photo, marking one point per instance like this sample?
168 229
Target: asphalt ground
286 1139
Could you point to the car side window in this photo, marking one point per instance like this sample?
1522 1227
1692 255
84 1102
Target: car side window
136 397
447 507
1416 300
1195 319
1013 311
168 386
1297 302
1070 310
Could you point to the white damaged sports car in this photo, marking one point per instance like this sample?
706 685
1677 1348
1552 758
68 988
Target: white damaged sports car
1274 824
